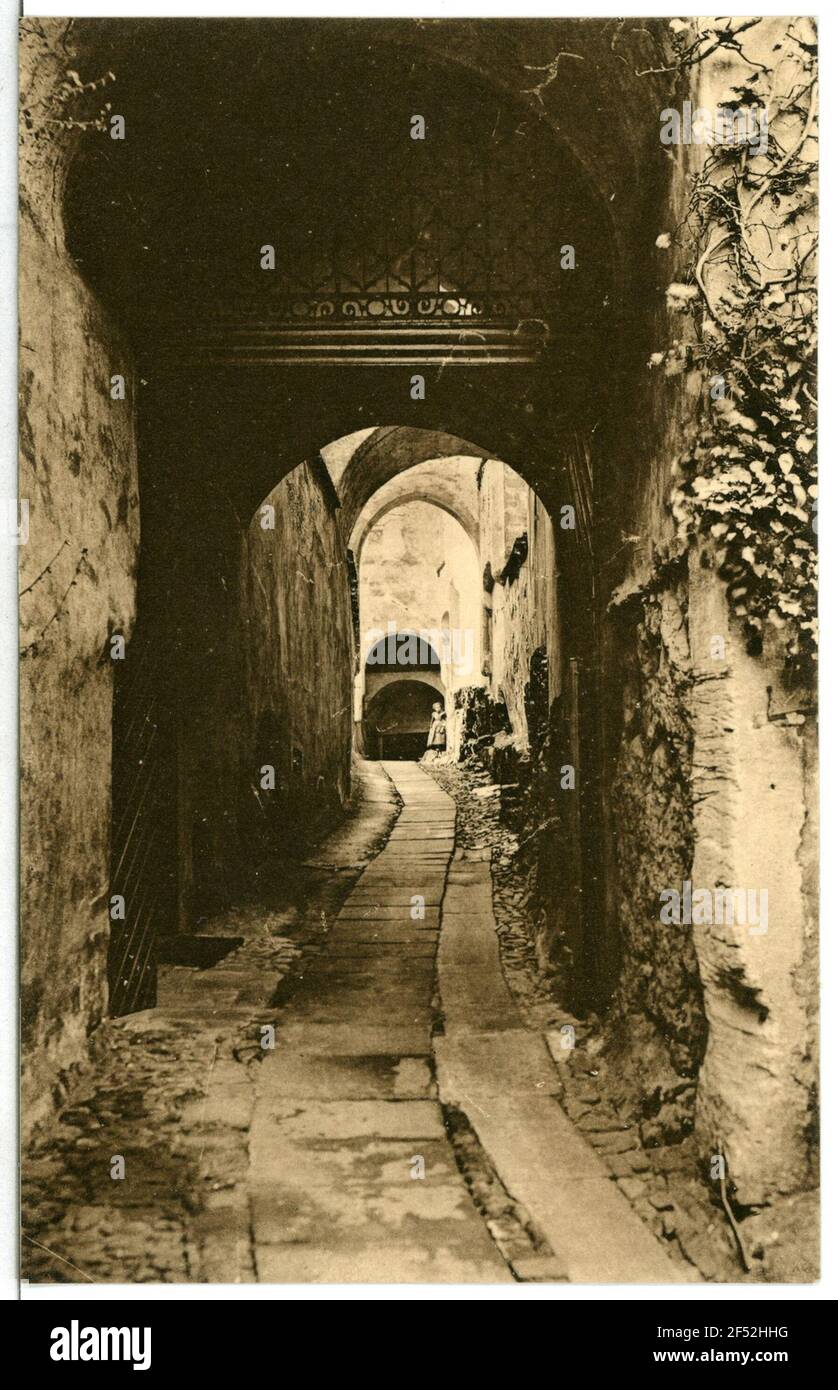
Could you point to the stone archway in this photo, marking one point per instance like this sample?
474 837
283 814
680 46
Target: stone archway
398 714
215 435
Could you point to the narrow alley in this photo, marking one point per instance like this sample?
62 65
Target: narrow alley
419 812
403 1125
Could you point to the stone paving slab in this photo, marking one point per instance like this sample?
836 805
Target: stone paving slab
346 1101
387 969
385 895
416 844
348 1119
402 858
415 1211
470 902
307 1077
384 931
424 832
503 1085
474 998
344 1165
410 1013
401 881
431 849
423 949
398 1005
350 926
412 1217
348 1039
360 912
422 868
439 820
562 1183
352 974
374 1264
473 944
415 1013
395 929
491 1064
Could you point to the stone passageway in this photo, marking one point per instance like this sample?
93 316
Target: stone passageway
351 1175
404 1127
381 1060
290 1008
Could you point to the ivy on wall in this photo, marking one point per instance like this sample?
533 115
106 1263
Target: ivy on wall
747 300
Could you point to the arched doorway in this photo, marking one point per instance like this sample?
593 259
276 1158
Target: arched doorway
397 718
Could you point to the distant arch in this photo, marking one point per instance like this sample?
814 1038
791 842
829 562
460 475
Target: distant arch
401 651
397 717
365 523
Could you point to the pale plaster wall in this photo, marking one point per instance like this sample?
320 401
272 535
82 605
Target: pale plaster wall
416 565
755 815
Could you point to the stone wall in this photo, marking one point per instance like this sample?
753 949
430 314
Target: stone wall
755 826
263 649
659 1021
714 1022
525 614
706 777
77 570
418 564
298 655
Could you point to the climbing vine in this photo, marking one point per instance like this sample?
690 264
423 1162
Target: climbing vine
71 103
747 299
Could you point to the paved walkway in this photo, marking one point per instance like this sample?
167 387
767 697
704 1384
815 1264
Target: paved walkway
352 1176
347 1117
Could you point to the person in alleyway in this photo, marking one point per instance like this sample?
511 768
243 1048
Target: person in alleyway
436 733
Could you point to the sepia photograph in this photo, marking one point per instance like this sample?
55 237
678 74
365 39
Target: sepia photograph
417 535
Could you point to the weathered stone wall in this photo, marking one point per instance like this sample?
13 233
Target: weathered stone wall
755 827
262 659
450 483
78 474
502 513
418 570
660 1026
418 564
707 778
298 656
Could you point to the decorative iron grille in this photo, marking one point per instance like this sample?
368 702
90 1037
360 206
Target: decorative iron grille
425 255
450 254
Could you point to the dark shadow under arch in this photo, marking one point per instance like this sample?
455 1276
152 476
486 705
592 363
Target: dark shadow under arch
397 719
